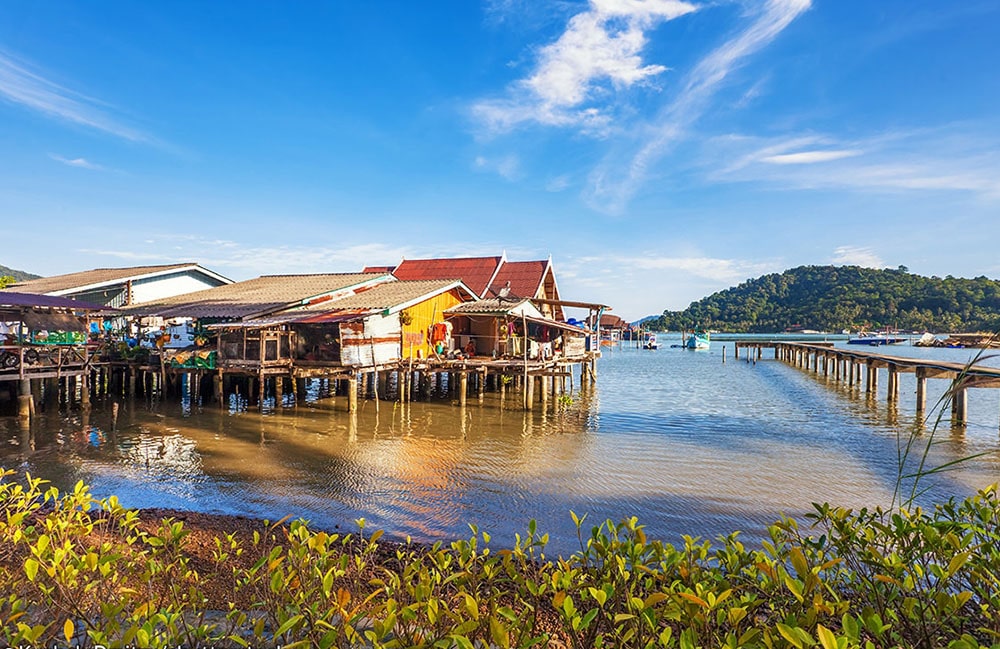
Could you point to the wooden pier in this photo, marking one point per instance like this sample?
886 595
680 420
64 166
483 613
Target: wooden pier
860 367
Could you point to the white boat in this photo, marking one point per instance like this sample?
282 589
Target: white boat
698 340
877 338
650 342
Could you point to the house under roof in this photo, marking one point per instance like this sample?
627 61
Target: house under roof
257 297
475 272
116 287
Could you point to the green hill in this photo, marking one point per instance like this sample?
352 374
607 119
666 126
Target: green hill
832 298
18 275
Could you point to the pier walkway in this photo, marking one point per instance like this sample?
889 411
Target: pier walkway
857 367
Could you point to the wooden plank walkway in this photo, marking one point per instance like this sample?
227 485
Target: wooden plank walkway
847 364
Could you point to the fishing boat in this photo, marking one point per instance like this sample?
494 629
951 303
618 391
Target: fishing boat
697 340
875 339
650 342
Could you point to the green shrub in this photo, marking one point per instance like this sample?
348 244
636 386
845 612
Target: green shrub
84 571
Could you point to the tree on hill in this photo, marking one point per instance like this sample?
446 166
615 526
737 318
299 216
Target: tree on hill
832 298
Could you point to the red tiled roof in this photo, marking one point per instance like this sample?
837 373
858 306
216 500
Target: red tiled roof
525 277
378 269
475 272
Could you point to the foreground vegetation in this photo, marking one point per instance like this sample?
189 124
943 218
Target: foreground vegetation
831 298
81 571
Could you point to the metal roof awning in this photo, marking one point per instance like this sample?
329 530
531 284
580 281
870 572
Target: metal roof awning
11 299
557 325
571 303
295 317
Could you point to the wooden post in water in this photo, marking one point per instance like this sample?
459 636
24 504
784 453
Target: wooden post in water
463 387
724 354
921 390
24 400
352 393
871 386
529 392
960 402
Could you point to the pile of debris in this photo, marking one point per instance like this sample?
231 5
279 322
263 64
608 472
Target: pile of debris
979 340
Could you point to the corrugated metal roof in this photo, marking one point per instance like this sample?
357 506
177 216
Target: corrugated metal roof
393 294
97 277
17 299
525 277
376 299
475 272
255 297
489 306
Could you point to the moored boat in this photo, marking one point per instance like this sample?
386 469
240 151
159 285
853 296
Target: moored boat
650 342
877 338
698 339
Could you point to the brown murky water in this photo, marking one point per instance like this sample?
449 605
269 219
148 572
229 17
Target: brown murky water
684 442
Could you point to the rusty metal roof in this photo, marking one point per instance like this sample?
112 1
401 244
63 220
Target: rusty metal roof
259 296
101 276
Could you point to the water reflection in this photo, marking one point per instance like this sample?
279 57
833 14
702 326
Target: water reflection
686 443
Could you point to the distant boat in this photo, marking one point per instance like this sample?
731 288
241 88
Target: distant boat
877 338
650 342
697 340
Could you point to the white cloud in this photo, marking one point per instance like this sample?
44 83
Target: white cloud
507 167
810 157
557 184
598 53
82 163
611 190
856 256
20 85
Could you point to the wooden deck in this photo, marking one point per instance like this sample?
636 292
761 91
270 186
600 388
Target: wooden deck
858 366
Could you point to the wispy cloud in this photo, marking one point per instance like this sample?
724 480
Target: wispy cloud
249 261
81 163
960 157
810 157
507 166
20 84
557 184
856 256
612 190
575 79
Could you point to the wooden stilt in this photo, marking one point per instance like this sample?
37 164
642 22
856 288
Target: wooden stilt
352 394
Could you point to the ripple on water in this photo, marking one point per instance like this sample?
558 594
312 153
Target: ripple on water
685 443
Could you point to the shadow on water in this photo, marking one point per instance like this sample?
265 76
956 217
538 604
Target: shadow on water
676 438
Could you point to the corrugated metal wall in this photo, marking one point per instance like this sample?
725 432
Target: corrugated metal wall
372 341
421 316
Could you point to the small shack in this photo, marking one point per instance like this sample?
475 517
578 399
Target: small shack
499 327
373 328
41 337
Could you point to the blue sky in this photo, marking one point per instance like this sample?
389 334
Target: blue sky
658 150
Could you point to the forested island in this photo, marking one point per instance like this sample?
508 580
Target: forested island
833 298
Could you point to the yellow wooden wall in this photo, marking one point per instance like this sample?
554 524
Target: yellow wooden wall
422 316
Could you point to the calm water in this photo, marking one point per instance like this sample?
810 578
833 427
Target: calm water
686 443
